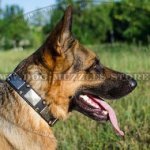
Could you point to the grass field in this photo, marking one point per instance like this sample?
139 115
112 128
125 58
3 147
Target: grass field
133 111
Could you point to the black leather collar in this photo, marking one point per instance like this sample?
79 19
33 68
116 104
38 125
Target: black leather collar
31 97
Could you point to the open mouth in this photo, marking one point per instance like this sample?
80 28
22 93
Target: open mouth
97 109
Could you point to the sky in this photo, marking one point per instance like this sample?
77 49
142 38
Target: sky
28 5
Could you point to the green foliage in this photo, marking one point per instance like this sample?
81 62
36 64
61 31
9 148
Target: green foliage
36 36
94 19
87 18
125 21
130 21
13 26
94 22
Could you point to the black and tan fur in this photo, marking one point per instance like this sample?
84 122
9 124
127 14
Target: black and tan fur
21 128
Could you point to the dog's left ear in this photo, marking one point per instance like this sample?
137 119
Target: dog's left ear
61 37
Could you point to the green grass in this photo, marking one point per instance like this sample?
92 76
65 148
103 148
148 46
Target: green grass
10 59
133 111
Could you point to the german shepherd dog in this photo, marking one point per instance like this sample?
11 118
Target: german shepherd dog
68 77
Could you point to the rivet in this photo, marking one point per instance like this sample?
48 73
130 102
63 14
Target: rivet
8 79
37 109
20 92
28 85
44 102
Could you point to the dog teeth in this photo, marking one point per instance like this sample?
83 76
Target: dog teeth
105 112
89 101
84 97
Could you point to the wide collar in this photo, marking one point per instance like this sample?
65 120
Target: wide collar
31 97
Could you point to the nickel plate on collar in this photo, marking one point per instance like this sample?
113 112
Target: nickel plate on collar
32 97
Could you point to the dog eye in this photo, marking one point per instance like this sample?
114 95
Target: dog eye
95 67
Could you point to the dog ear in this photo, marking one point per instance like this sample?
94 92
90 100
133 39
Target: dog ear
61 37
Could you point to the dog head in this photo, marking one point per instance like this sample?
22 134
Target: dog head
70 76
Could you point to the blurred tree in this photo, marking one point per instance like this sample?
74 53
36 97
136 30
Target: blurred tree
131 20
94 22
39 18
88 17
13 27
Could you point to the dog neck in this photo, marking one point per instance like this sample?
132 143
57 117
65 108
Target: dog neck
17 112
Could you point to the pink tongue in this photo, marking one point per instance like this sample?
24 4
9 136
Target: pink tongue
112 115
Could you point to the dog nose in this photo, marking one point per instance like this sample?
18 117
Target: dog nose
133 83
